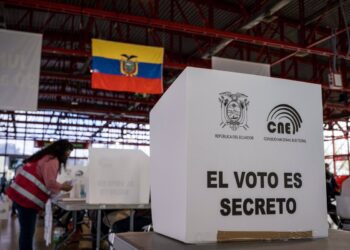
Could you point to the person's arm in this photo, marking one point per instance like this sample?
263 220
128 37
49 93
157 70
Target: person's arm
49 171
336 188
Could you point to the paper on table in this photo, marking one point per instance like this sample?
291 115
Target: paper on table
72 182
72 199
48 223
59 196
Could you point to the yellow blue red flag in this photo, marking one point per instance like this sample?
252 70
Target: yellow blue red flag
127 67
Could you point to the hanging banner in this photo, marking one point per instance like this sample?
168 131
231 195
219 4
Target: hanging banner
20 54
127 67
239 66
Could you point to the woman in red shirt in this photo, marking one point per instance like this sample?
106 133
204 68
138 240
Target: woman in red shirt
35 183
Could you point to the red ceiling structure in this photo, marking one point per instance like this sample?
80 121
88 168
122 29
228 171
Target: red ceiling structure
293 36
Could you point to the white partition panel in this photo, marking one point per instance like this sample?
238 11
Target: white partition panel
118 176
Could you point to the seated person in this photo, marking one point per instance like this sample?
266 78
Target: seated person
331 190
142 218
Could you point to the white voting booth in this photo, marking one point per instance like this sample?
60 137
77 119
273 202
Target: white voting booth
118 176
79 177
237 156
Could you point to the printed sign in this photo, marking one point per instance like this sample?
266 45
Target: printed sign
239 154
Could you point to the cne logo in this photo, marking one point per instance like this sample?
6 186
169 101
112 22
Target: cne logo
283 119
234 108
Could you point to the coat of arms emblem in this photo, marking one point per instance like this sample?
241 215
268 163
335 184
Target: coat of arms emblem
234 109
129 65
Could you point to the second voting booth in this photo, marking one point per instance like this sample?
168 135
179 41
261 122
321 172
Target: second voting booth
237 156
118 176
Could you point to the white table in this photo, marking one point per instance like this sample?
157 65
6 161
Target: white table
337 240
77 205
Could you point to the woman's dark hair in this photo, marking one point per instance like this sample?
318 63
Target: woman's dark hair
57 149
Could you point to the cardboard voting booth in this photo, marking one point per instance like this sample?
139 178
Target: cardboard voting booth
118 176
78 176
237 156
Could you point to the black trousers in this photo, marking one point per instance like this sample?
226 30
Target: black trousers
27 223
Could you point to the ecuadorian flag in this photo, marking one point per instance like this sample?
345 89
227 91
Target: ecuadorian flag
127 67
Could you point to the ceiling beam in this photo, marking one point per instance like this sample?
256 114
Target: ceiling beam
75 116
322 12
98 98
92 109
168 63
176 63
312 45
168 25
268 9
89 128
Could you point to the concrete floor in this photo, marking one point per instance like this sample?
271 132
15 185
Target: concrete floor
9 231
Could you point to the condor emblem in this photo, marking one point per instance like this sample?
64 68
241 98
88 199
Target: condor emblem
128 65
234 109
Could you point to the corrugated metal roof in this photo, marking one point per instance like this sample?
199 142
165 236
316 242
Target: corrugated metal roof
183 45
